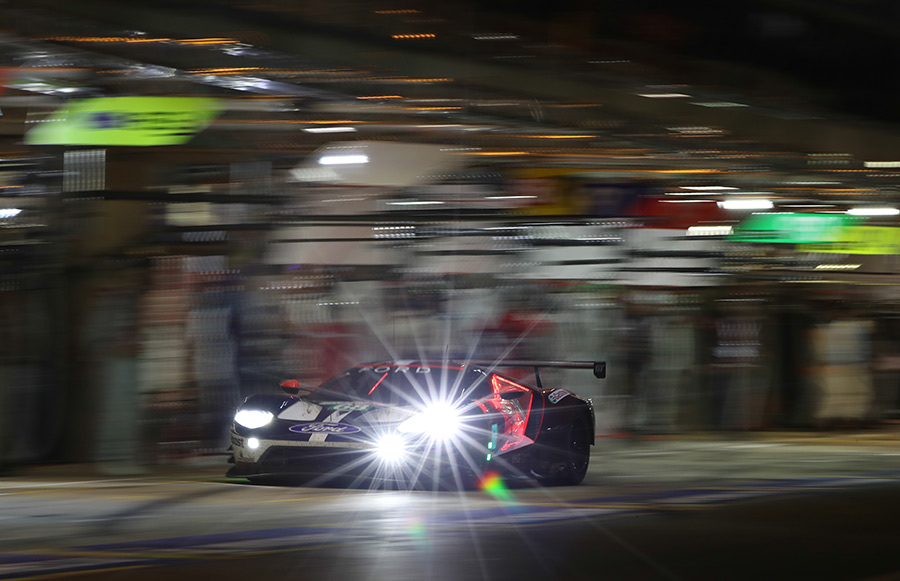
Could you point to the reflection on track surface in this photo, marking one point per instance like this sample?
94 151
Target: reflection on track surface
68 526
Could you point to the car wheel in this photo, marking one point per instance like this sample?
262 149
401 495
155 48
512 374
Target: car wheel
578 452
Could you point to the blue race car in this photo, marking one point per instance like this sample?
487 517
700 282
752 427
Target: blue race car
417 423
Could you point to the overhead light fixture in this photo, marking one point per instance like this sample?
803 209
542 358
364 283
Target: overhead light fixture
330 129
881 164
838 266
415 203
9 213
706 188
710 231
747 204
663 95
873 211
343 159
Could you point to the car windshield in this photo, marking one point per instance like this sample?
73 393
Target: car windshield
398 384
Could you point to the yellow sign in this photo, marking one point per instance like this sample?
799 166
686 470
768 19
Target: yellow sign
873 240
130 121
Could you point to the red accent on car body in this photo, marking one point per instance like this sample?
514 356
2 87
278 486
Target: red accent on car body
377 383
515 411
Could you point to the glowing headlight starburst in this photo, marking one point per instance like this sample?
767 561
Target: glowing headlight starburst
439 420
252 419
390 448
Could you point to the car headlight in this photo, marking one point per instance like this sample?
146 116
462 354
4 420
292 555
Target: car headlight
441 421
390 448
252 419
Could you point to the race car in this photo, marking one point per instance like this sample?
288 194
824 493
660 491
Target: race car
418 423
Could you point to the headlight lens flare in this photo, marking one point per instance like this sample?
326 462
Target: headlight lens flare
441 421
391 448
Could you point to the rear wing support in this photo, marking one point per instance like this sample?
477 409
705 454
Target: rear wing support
598 367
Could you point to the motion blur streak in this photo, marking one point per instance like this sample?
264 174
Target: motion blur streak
147 289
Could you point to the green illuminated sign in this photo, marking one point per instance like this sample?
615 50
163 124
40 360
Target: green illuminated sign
873 240
793 228
130 121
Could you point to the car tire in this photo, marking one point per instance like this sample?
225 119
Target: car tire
578 452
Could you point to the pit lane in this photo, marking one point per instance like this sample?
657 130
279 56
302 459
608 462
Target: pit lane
65 520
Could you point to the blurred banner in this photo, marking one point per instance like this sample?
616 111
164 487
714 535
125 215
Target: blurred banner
793 228
872 240
131 121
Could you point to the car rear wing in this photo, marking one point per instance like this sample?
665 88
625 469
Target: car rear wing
598 367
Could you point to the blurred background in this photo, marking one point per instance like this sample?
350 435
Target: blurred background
201 199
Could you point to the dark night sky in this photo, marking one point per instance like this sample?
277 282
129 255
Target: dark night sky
848 48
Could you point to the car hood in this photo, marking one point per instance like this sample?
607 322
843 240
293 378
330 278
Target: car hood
346 412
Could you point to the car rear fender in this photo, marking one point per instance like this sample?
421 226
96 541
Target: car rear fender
561 415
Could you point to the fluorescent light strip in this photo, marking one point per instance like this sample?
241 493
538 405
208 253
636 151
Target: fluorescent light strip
330 129
663 95
873 211
838 266
882 164
709 230
747 204
9 213
343 159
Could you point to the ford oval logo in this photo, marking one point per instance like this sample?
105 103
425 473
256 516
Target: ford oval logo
324 428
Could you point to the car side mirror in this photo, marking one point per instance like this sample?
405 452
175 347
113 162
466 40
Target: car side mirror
292 387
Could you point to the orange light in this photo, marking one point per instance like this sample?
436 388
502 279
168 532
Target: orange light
104 39
428 108
434 80
203 41
402 79
224 71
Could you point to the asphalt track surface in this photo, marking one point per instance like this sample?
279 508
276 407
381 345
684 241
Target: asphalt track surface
702 509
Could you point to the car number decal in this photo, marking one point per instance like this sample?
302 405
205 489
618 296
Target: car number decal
558 395
324 428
